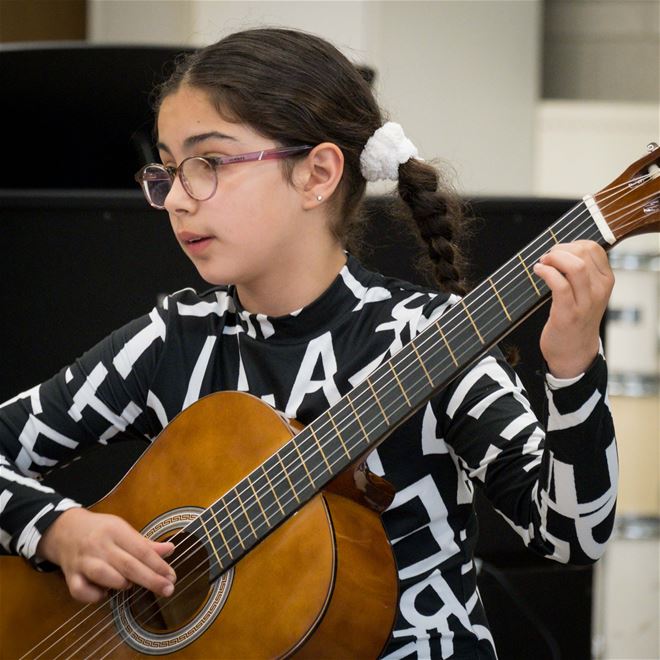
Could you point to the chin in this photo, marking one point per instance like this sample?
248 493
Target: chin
214 275
215 280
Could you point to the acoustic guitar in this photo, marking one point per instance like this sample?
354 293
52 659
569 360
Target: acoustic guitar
280 549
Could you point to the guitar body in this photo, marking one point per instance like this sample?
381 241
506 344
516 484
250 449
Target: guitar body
322 584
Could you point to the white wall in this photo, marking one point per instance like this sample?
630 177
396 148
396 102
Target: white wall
582 145
139 21
463 79
346 24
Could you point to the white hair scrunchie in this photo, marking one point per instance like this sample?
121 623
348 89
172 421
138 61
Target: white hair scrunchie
385 150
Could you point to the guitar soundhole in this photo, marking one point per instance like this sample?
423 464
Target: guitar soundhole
156 626
191 563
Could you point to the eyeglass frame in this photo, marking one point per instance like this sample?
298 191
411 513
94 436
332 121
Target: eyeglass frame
276 153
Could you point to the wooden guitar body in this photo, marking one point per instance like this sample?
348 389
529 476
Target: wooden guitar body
322 584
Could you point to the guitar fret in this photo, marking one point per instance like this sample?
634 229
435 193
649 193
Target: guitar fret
405 396
421 362
506 311
343 444
258 501
538 293
286 474
245 513
357 417
209 537
303 463
231 520
270 485
444 339
474 325
371 387
224 540
316 439
552 233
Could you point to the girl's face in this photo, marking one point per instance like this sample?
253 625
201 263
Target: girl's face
251 228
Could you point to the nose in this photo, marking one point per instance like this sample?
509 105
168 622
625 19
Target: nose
178 200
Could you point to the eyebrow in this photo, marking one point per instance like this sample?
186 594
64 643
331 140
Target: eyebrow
194 140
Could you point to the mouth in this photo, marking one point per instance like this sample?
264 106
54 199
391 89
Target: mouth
193 241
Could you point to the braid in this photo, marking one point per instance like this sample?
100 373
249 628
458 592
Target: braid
437 213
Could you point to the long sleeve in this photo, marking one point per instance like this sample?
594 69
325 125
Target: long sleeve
101 395
556 488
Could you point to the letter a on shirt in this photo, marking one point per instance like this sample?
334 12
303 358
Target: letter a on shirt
303 385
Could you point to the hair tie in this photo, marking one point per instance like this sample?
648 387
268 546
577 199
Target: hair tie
385 150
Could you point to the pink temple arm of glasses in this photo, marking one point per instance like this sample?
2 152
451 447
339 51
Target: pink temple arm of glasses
266 154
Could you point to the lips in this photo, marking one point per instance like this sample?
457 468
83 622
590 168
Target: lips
194 244
190 239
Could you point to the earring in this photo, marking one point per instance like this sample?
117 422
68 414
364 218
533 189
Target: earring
319 198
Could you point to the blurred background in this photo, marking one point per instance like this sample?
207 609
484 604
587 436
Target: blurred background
532 103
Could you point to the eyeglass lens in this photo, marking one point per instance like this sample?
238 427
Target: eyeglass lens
197 175
157 184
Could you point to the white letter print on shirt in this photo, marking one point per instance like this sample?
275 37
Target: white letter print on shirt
319 347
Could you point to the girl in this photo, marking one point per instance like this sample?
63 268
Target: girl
267 139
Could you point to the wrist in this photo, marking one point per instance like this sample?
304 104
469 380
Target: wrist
568 371
574 364
52 540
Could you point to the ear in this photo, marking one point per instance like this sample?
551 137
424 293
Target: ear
320 174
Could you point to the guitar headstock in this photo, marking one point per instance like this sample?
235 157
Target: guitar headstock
631 203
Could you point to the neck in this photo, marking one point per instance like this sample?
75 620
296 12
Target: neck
292 284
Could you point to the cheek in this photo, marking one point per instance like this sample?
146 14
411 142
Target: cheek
261 207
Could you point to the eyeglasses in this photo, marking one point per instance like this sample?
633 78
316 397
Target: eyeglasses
199 174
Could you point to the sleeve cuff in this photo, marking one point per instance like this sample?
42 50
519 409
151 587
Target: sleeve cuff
555 383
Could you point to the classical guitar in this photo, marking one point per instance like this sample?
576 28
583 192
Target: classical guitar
280 546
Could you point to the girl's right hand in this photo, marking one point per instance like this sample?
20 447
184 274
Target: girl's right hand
97 552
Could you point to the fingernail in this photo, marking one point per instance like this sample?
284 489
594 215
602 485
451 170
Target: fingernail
168 590
172 576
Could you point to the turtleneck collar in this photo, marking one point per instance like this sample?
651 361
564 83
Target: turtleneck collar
349 291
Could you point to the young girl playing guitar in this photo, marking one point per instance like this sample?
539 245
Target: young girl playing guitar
266 141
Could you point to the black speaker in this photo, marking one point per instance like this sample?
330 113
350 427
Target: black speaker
81 265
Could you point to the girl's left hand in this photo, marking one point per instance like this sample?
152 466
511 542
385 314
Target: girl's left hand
581 280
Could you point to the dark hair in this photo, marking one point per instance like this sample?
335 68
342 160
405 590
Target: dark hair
296 88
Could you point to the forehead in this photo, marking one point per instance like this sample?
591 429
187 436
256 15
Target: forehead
189 112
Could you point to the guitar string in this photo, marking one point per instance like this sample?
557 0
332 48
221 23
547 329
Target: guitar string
244 528
250 504
261 524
